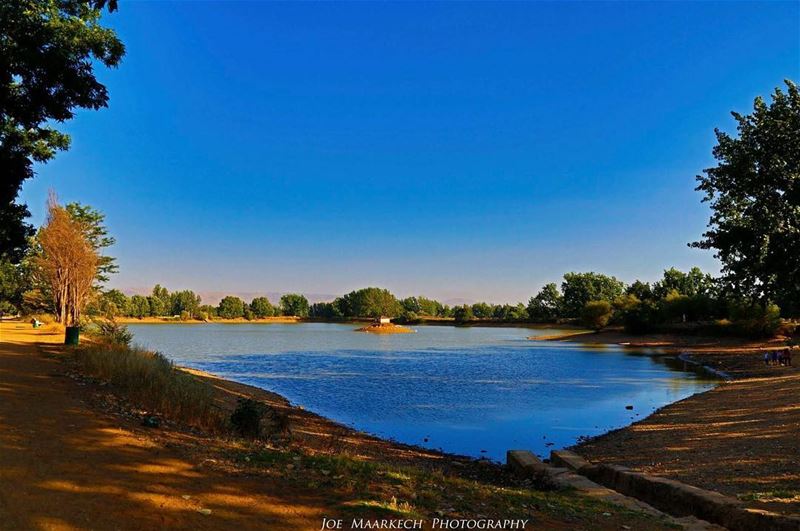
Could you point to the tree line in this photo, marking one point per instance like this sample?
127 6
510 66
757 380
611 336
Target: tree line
74 239
186 304
591 299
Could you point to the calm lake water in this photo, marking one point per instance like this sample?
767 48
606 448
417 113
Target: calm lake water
477 391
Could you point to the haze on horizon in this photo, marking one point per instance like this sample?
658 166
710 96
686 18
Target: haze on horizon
460 151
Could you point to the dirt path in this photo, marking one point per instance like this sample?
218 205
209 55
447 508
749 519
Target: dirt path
63 466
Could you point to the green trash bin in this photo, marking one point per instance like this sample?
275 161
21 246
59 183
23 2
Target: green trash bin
72 335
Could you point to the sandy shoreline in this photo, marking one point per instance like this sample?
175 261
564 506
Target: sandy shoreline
741 438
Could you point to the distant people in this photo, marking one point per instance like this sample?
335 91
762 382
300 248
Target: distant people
766 358
786 357
775 357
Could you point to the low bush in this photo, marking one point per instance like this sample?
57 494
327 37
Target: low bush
256 419
641 318
756 320
113 333
246 419
150 381
597 314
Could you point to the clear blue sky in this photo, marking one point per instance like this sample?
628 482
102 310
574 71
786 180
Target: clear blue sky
470 150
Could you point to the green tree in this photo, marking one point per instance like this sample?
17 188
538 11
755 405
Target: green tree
422 306
580 288
430 307
185 302
14 282
261 307
754 194
294 304
139 306
157 307
48 51
114 303
369 302
626 302
160 301
207 311
463 313
93 223
546 306
325 310
411 305
230 307
640 290
482 310
693 283
597 314
510 312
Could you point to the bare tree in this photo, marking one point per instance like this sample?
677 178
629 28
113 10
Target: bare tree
67 263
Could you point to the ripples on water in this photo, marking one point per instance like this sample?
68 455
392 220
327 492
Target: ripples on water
477 391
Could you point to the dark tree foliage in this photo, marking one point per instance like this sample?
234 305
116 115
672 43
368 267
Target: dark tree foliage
482 310
754 193
640 290
47 53
597 314
325 310
14 281
547 305
463 313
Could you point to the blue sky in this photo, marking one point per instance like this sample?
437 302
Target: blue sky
458 150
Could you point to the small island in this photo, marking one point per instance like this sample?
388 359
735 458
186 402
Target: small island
384 325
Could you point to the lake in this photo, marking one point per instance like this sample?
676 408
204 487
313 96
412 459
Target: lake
476 391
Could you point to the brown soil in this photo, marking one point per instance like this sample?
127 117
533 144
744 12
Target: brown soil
74 457
741 438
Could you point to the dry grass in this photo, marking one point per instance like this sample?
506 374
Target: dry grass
152 382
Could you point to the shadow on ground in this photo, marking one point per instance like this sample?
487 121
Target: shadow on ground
64 467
